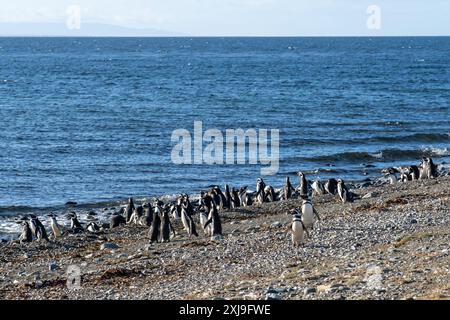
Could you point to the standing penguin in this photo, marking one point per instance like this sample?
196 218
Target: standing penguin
235 201
318 188
298 228
260 191
269 194
116 220
303 187
428 170
136 215
244 199
188 223
214 220
56 228
129 210
148 215
203 219
26 234
227 199
92 227
287 190
391 175
344 194
40 232
331 186
414 173
155 228
75 225
166 226
308 212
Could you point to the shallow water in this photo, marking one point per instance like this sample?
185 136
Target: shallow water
90 119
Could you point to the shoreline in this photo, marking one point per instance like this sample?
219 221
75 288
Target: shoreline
398 234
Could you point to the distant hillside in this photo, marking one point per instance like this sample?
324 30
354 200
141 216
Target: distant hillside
86 30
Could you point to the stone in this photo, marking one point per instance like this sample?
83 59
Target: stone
109 246
273 296
53 266
276 225
309 291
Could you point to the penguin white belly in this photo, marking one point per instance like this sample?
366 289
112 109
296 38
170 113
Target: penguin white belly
308 216
297 233
184 220
56 231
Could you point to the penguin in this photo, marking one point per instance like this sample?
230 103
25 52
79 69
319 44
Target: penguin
308 212
428 170
391 175
203 219
260 194
92 227
298 229
175 210
244 199
235 201
147 218
405 177
129 209
318 188
227 198
206 202
155 228
40 232
303 187
414 172
75 225
343 192
216 223
269 194
56 228
136 215
219 197
287 190
331 186
116 220
166 226
26 235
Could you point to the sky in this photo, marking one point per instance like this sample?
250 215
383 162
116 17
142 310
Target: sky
246 17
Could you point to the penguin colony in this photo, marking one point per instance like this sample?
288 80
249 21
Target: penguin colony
203 214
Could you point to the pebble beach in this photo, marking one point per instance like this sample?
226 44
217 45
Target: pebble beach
391 243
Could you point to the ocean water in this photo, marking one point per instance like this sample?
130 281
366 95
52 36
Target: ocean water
90 119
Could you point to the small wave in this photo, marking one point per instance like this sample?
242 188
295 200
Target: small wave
382 155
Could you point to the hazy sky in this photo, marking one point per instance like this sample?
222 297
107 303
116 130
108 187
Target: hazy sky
245 17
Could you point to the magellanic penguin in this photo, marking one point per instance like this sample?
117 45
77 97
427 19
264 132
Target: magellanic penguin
331 186
344 194
92 227
56 228
414 173
298 228
244 199
216 223
129 210
147 218
188 223
308 212
203 219
155 229
288 189
235 200
40 232
260 191
136 215
303 187
317 188
166 226
269 194
227 200
391 175
26 234
428 170
75 225
116 220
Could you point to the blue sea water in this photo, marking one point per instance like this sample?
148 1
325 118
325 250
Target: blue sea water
90 119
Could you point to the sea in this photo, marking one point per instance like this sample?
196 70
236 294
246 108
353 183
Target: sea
90 120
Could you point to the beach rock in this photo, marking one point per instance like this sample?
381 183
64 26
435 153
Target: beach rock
109 246
308 291
370 195
273 296
53 266
413 221
276 224
71 203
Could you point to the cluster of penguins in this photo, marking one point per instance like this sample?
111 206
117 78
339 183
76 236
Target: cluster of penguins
157 216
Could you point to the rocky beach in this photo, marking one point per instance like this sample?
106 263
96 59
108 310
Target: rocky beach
391 243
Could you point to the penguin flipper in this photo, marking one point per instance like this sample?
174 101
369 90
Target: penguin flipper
207 223
317 214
